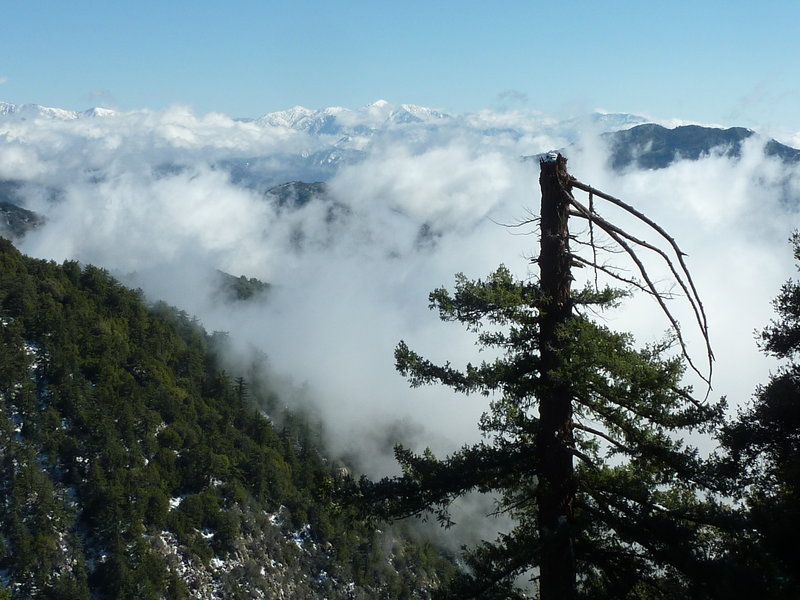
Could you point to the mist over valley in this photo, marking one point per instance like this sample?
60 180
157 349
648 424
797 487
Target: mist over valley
353 216
308 241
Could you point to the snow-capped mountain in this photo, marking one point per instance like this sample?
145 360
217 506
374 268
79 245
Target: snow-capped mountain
306 144
37 111
301 118
353 126
384 111
98 111
337 120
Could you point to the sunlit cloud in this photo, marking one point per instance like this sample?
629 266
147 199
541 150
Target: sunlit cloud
151 195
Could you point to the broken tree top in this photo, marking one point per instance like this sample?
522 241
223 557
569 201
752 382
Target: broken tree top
549 157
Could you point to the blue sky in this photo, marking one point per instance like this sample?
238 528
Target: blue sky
731 63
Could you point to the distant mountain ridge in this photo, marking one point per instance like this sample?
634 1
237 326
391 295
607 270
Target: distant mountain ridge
323 141
338 120
651 146
341 121
33 111
326 140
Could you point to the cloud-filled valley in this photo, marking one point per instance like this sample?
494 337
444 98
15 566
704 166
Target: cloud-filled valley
411 197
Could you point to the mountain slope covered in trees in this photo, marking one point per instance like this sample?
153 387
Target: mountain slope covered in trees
133 466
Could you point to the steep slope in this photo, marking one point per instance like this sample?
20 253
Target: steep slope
15 221
132 466
237 289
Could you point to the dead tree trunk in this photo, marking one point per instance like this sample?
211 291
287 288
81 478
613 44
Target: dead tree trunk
556 486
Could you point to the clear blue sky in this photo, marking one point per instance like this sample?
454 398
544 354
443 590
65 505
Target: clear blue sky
717 62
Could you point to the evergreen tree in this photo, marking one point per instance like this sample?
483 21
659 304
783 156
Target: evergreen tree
764 461
628 519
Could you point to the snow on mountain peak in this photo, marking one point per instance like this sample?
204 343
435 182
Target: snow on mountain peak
423 113
99 111
37 111
291 117
381 112
337 120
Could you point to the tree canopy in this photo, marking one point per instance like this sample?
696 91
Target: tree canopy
762 463
636 511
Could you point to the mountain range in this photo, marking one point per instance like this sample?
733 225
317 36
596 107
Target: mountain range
137 462
37 111
345 133
337 137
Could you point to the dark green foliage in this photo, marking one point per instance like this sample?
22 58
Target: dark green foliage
639 522
763 464
118 427
240 288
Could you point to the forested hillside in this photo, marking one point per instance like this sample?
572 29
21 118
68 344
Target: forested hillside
133 466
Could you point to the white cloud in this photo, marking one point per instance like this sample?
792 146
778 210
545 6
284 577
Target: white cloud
452 187
19 161
142 193
733 220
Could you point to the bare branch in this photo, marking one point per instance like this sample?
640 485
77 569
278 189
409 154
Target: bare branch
609 248
599 220
642 217
620 278
620 236
530 221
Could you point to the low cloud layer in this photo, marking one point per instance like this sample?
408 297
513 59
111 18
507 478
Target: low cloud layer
148 196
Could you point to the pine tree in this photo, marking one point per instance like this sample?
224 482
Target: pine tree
581 445
764 461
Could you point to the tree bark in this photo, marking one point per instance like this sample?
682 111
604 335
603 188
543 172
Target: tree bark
554 443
